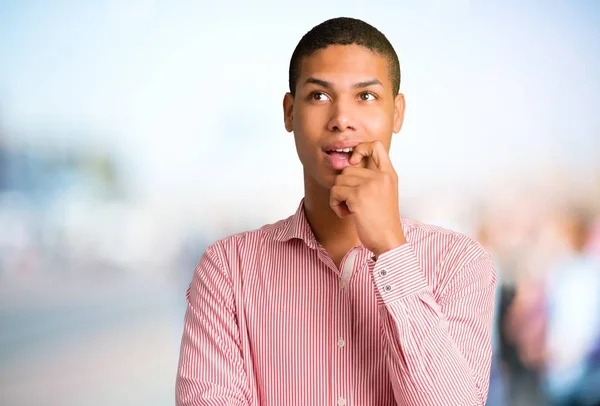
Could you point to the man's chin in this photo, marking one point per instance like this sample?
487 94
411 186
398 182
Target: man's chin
324 180
329 181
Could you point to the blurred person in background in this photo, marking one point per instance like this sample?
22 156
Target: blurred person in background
524 331
593 245
497 392
555 319
571 367
344 302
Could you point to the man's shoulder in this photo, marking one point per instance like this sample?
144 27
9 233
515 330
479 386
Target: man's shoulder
450 243
428 231
412 225
455 258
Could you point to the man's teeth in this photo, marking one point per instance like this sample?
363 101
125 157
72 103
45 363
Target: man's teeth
344 150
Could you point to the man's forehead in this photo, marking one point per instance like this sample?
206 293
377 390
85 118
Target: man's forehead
336 53
345 64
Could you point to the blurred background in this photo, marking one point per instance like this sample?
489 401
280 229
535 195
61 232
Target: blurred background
135 133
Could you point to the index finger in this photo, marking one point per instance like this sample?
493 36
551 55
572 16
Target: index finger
374 152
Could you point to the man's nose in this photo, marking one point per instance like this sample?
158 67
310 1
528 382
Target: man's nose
341 117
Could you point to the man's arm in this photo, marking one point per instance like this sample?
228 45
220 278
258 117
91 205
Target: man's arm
439 351
211 370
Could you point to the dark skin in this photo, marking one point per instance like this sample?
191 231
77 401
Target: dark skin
344 95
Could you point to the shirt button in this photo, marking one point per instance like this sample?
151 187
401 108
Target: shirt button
383 272
342 284
387 288
341 401
341 343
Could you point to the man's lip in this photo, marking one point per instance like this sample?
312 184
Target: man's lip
340 145
338 161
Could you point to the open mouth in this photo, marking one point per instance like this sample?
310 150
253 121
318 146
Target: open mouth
342 153
339 158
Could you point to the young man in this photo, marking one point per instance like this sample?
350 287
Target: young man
345 302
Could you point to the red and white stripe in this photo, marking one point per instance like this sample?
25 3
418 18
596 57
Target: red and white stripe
272 321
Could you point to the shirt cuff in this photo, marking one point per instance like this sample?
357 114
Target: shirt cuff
396 274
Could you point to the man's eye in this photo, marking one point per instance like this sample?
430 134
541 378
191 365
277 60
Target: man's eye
367 96
319 96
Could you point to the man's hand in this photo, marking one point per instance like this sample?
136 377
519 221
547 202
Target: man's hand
368 191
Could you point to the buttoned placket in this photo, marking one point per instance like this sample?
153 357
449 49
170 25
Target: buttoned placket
341 345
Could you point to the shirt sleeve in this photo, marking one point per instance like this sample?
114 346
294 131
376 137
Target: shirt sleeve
211 370
438 346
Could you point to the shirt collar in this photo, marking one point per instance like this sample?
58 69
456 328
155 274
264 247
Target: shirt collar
297 227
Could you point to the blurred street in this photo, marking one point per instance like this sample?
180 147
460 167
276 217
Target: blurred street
114 348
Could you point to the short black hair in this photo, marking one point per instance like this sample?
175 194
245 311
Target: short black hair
344 31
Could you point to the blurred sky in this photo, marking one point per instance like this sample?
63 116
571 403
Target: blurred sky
189 93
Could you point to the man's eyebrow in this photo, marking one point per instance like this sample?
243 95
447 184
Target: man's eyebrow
327 85
319 82
367 83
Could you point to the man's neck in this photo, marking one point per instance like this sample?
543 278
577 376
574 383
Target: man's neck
333 233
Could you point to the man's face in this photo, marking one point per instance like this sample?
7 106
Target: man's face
343 98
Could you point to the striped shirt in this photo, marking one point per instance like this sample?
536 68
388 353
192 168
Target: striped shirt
272 321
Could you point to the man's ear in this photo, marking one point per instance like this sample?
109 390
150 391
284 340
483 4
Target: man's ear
399 107
288 112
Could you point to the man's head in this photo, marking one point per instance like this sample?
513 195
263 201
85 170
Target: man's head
344 31
344 90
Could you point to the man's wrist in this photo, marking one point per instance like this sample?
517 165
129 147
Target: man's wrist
397 274
392 242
